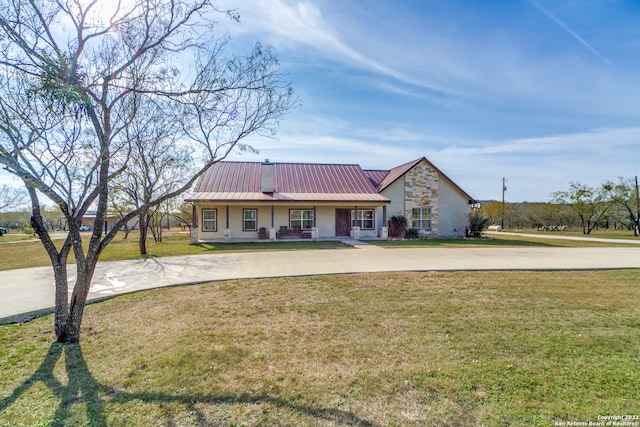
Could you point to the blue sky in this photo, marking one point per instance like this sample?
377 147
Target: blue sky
540 92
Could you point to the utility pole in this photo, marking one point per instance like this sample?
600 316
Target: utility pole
504 188
637 227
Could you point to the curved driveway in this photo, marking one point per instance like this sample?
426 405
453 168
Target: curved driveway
27 292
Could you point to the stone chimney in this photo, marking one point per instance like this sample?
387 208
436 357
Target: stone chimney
267 177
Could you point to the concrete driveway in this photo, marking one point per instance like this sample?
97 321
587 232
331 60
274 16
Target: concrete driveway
28 292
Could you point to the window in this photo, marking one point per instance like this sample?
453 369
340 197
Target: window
209 220
421 218
303 218
364 220
249 219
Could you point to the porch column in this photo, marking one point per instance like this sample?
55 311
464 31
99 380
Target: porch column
273 208
314 229
272 230
355 217
227 230
384 232
355 229
194 224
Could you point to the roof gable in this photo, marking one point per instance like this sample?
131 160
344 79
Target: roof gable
399 171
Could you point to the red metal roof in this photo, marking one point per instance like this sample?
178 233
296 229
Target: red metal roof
396 173
240 181
376 177
300 182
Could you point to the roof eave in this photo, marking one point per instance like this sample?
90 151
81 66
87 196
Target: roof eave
292 198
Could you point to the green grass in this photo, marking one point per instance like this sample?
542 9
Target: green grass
577 232
497 239
456 349
550 241
441 243
5 238
32 254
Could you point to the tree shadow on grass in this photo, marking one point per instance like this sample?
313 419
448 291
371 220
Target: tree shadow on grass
83 389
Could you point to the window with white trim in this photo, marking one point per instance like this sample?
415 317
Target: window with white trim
250 220
421 218
364 220
209 220
303 218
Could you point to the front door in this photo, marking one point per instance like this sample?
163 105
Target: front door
343 228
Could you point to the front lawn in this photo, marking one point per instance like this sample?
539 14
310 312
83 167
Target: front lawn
437 242
441 349
32 254
573 232
497 239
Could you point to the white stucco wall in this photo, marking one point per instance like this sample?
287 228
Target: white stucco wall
395 193
454 210
451 206
235 221
325 220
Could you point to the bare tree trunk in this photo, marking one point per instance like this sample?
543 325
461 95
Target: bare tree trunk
142 242
61 299
68 314
68 331
155 222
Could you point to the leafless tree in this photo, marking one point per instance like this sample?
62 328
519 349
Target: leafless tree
184 214
159 164
12 198
591 205
625 196
119 207
72 81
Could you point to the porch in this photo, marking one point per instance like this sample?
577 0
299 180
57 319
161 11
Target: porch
244 223
345 240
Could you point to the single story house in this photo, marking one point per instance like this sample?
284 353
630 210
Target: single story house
253 200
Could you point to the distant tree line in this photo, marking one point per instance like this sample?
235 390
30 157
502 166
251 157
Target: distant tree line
530 215
610 206
18 220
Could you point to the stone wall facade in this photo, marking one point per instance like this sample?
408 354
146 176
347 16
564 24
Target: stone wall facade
421 191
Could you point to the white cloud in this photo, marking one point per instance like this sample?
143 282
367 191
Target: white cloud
434 57
291 24
391 133
298 22
535 167
598 140
568 29
330 149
